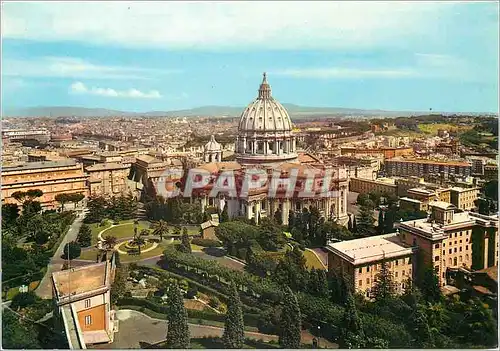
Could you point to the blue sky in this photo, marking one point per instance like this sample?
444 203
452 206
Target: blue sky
175 55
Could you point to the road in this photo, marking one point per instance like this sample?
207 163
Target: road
44 290
137 329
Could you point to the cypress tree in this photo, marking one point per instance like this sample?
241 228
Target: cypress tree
224 216
349 224
312 282
185 243
366 226
422 334
380 227
384 286
233 327
352 334
290 323
354 224
178 330
430 286
323 288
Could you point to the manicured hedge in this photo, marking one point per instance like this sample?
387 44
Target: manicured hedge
167 274
206 242
249 319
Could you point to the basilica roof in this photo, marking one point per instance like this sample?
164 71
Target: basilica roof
265 114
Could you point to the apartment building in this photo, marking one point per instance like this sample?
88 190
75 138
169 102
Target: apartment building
445 238
382 185
51 177
108 179
362 259
386 152
400 166
463 198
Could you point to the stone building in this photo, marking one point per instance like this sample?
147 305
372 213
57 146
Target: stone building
108 179
51 177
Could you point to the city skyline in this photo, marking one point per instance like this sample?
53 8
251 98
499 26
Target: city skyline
167 56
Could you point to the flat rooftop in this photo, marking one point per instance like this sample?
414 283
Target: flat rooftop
80 280
421 191
39 165
107 166
407 199
371 249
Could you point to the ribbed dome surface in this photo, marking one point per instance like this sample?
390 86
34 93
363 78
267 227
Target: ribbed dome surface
265 114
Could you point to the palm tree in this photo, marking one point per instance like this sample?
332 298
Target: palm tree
139 242
160 228
109 242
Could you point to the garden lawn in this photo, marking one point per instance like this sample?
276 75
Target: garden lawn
91 253
312 261
95 229
125 229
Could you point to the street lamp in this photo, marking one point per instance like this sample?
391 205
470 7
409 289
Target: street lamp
319 335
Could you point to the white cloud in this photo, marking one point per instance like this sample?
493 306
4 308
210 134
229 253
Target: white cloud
72 67
80 88
216 25
346 73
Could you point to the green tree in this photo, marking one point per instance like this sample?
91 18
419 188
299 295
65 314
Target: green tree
270 235
384 286
490 189
381 222
365 223
17 334
233 336
84 237
97 209
291 270
479 327
351 333
23 300
62 199
72 250
422 335
224 216
109 242
349 224
10 212
429 286
178 331
290 322
185 243
160 228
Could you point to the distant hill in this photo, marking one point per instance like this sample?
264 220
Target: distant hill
295 111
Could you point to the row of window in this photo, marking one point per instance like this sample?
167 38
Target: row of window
379 266
360 282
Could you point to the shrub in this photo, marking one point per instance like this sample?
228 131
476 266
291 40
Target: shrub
22 300
72 250
206 242
116 222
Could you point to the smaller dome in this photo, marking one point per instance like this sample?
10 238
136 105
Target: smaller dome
213 145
